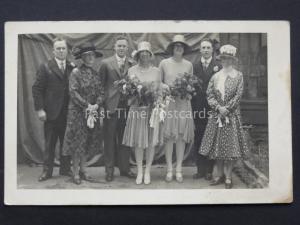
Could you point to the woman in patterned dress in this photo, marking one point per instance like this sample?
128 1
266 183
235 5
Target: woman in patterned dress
224 139
179 124
138 134
86 93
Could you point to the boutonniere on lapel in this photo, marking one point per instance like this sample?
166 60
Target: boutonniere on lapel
216 69
131 61
72 64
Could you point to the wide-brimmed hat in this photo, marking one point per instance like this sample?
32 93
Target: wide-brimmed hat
142 46
84 48
178 39
228 51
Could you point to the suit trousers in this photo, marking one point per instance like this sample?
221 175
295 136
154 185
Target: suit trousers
204 165
54 130
116 154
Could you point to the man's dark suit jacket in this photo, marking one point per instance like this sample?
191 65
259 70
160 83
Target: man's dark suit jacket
199 102
50 90
110 72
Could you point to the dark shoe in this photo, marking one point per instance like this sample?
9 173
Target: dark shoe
208 176
109 177
44 176
66 173
84 176
228 185
198 176
129 174
76 180
217 181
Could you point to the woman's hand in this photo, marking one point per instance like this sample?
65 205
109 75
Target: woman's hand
223 111
93 107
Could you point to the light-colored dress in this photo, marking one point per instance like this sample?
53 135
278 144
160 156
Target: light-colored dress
179 121
138 133
225 139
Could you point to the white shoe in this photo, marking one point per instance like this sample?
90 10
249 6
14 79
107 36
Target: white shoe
169 176
147 179
179 177
139 179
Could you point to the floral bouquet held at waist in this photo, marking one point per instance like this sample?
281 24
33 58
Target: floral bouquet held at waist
136 92
185 86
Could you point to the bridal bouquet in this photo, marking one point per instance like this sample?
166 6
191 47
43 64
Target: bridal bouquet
133 90
160 105
185 86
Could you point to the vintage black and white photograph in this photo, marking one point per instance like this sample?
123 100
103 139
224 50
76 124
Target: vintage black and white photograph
139 112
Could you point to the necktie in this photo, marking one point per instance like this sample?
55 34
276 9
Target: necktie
122 65
62 67
206 64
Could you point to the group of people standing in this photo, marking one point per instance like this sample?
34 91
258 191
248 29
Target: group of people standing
63 94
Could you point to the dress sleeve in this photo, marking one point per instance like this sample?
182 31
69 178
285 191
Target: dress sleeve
161 69
191 69
100 94
74 87
235 101
211 98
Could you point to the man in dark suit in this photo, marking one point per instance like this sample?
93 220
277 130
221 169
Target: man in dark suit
112 69
203 69
50 95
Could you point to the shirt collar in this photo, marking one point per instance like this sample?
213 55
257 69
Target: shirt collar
119 59
58 61
206 60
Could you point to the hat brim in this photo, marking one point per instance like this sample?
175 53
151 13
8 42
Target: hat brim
135 57
170 47
97 54
222 56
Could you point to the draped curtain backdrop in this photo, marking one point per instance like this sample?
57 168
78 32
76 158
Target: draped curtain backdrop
34 49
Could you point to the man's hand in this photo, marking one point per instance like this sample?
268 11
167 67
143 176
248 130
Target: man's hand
42 115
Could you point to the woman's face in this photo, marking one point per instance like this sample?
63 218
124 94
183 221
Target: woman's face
226 62
178 49
144 57
88 58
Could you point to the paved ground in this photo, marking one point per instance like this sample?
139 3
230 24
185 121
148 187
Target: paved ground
28 176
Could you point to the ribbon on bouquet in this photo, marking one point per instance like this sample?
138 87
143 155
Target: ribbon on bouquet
219 121
159 113
91 116
157 116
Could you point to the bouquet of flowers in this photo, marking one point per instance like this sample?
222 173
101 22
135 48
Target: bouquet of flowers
91 116
135 91
185 86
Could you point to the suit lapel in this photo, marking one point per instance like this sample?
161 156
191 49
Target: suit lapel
126 66
210 67
69 68
54 67
115 65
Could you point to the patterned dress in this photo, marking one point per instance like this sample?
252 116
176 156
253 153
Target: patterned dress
224 138
85 88
179 121
138 133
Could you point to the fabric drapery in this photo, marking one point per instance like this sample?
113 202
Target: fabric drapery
35 49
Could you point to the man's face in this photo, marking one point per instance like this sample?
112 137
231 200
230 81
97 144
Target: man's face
206 49
60 50
121 48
